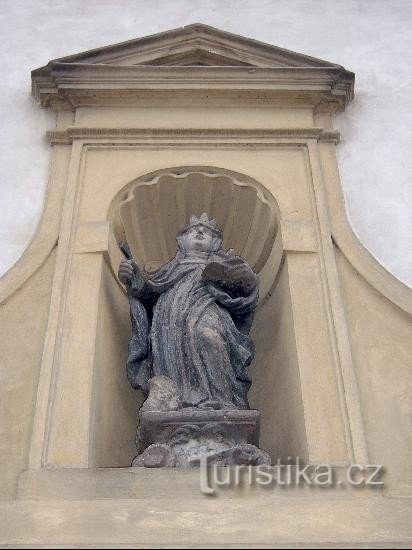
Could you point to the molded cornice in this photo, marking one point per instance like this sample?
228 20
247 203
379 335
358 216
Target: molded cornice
209 63
66 137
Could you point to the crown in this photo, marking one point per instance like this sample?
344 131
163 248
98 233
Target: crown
204 220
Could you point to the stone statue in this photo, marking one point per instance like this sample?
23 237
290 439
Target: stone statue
190 345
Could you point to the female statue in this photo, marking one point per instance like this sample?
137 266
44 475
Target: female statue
191 320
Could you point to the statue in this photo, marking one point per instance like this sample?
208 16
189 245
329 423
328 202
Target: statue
190 346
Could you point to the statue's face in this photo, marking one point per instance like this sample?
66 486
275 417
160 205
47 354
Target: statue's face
199 238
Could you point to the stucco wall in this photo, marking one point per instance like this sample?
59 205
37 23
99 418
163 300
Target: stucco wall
370 37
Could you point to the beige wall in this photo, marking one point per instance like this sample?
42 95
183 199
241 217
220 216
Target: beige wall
381 336
276 388
23 321
114 403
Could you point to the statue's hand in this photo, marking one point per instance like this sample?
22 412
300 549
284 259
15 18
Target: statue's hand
129 271
233 274
126 271
244 276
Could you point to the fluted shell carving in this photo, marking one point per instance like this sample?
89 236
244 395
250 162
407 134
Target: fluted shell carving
155 209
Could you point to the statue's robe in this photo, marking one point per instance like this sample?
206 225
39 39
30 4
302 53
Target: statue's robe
193 332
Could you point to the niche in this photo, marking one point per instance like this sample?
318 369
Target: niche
147 214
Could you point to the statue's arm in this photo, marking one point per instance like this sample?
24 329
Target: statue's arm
241 308
136 283
233 276
234 286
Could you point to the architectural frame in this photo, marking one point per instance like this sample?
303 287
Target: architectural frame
99 79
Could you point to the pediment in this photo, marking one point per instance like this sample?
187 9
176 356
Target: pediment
194 45
201 60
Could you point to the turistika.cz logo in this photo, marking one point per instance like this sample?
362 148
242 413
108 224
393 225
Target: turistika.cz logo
293 474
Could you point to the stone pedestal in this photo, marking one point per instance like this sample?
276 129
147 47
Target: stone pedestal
182 438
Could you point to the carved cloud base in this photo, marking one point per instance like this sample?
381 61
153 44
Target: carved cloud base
181 439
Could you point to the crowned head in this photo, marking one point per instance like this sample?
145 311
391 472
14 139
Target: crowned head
202 234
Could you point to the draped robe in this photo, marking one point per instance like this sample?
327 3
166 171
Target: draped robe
193 332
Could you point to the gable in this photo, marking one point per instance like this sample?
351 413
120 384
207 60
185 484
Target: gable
201 60
194 45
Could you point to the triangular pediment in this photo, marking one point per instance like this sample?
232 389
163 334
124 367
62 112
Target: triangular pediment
194 45
206 62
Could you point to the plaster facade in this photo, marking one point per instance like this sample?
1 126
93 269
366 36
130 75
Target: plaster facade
330 323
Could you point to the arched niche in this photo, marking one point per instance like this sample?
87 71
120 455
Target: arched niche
147 214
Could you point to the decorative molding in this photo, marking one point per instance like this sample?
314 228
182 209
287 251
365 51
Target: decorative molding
47 232
70 86
187 60
371 270
66 137
200 43
92 237
345 239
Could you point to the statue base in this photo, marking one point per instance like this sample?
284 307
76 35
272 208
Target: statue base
183 438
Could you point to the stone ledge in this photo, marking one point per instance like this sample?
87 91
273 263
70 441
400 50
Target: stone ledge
161 483
67 136
156 522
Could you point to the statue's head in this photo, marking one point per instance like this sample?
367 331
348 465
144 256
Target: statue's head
201 235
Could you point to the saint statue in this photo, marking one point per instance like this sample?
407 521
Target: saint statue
191 320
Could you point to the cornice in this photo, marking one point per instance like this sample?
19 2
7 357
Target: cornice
67 85
192 59
66 137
